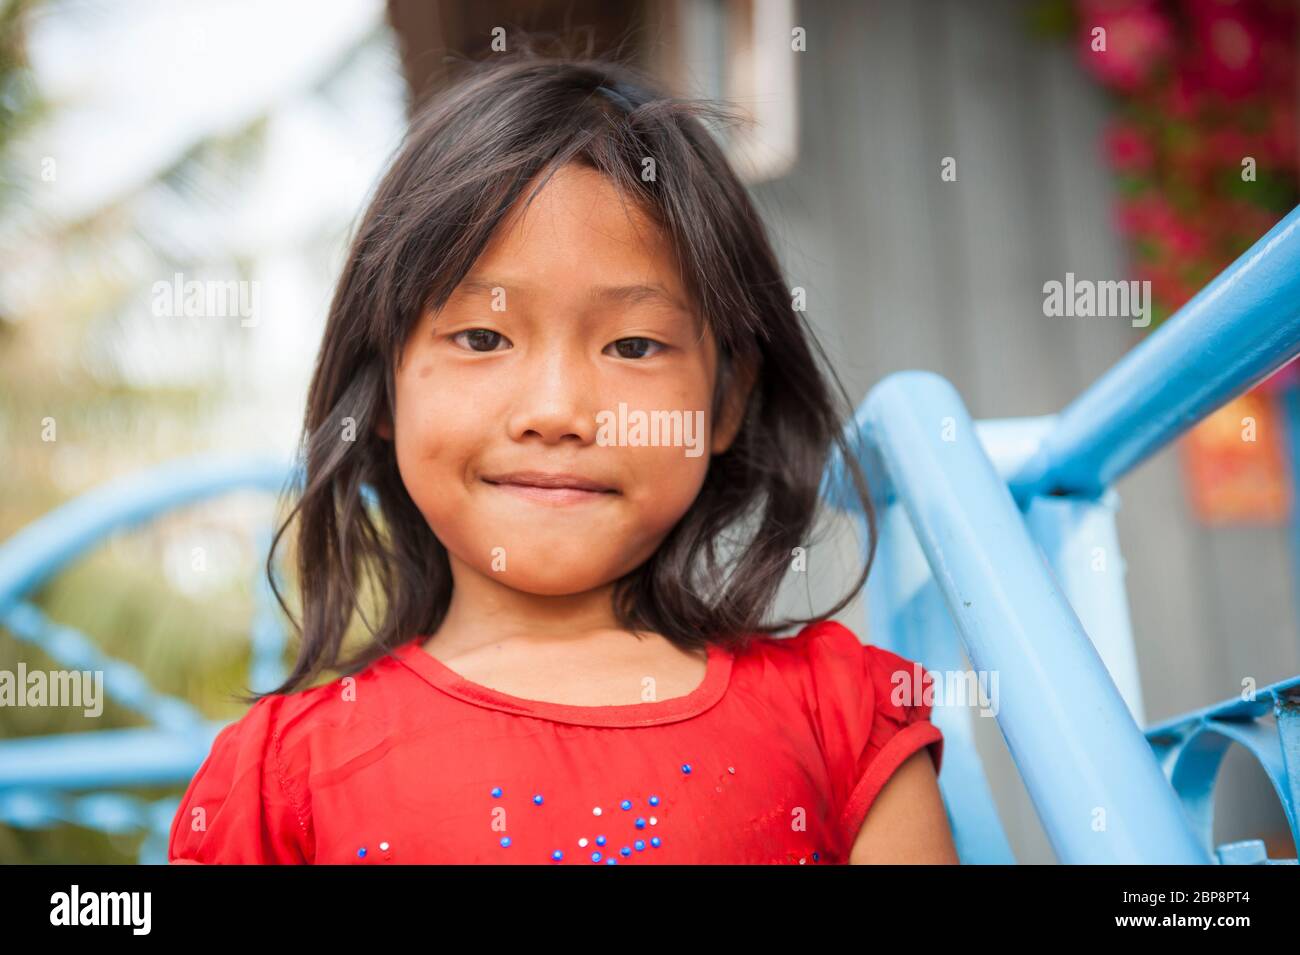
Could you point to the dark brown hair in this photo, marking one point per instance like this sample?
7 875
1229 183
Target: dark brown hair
466 159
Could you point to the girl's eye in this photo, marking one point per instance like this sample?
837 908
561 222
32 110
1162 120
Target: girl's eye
480 339
635 347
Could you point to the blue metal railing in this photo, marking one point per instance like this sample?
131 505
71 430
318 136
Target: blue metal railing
1192 747
980 552
43 548
1092 776
44 779
1234 332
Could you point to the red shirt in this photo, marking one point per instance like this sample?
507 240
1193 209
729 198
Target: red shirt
775 758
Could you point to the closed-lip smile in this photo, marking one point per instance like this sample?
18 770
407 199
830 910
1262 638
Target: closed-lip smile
550 487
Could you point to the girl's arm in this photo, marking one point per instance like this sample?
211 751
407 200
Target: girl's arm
907 822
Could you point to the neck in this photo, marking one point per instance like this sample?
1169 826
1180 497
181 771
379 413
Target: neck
485 611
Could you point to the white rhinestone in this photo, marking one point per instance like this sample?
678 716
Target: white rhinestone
383 847
654 820
582 843
596 811
732 770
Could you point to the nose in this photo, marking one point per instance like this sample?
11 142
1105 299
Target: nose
553 400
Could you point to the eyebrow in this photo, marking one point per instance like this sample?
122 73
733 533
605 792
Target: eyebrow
637 294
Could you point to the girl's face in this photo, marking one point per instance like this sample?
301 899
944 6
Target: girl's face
574 311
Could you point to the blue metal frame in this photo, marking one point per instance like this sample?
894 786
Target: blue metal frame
45 547
43 779
1089 770
1192 747
998 541
1236 331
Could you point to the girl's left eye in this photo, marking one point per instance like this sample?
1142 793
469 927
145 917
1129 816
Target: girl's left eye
634 347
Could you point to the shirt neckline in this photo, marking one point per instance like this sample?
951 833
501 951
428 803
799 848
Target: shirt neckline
717 677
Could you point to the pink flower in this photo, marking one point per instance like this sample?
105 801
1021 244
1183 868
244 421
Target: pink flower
1180 97
1281 145
1210 82
1229 52
1182 239
1145 215
1227 147
1138 41
1128 149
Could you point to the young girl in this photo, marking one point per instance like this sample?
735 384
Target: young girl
563 358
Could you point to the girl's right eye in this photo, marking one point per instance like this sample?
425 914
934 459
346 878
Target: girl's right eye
480 339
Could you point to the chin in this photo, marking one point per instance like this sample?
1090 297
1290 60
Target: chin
551 582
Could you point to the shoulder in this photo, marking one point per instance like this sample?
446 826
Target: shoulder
857 694
830 659
250 799
869 707
342 711
244 804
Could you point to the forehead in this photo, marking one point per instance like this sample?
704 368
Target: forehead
580 232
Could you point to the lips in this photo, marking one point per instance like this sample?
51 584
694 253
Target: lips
546 479
551 488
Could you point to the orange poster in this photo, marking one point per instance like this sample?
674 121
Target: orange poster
1236 463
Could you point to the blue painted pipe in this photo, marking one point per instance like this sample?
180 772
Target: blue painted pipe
45 546
104 758
1236 331
1093 777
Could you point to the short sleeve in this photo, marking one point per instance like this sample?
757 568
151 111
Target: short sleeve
872 710
246 804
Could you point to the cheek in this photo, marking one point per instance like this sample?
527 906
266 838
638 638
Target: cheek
666 483
434 436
